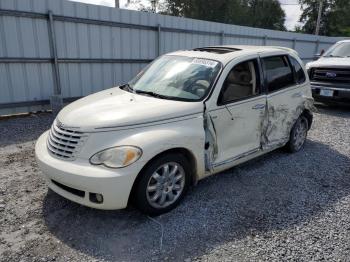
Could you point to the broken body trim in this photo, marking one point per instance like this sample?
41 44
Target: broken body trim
267 143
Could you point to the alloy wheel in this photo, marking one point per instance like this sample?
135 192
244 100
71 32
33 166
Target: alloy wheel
165 185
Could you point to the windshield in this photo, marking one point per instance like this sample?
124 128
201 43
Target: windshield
176 77
338 50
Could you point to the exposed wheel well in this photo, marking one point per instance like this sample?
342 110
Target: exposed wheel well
308 115
183 151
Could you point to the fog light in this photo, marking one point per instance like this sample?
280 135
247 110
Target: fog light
96 198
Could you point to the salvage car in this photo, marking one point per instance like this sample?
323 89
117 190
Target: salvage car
330 74
187 115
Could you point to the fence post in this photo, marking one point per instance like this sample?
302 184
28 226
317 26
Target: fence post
317 46
265 39
56 100
159 46
222 37
294 43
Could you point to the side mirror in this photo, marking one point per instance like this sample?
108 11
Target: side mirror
317 56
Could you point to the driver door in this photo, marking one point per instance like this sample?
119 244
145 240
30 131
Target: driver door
239 112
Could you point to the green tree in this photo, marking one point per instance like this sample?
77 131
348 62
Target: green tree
226 11
257 13
310 13
266 14
335 19
339 19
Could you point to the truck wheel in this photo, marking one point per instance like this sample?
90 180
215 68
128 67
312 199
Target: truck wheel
162 184
298 135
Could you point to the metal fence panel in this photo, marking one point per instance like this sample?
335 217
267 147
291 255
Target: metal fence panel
80 49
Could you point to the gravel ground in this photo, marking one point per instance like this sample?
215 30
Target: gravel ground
278 207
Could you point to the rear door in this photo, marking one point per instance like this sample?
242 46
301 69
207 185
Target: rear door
284 98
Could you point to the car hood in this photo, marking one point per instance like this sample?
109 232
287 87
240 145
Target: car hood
336 62
116 108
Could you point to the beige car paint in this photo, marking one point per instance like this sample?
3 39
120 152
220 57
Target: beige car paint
217 137
273 122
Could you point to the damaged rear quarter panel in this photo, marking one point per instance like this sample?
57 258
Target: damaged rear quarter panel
282 112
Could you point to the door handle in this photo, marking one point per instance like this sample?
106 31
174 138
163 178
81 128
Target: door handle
258 106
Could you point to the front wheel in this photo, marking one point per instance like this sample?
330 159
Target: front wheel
298 135
162 184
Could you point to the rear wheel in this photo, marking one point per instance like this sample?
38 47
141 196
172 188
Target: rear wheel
162 184
298 135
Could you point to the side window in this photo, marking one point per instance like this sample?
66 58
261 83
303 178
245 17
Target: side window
299 72
278 72
241 82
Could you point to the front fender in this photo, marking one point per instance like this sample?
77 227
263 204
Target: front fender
153 140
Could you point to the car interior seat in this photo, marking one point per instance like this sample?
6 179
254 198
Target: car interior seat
240 82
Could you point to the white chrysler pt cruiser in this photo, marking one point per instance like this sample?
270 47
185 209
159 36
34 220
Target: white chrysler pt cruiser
187 115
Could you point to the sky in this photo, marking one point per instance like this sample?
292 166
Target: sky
293 12
290 7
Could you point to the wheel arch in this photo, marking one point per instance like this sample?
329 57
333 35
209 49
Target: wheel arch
308 115
178 150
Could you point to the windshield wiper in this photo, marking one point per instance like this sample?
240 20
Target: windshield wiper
150 93
334 56
128 88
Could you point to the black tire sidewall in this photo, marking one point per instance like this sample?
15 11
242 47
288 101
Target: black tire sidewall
291 144
141 201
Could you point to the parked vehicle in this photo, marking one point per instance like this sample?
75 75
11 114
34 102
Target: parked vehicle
188 115
330 74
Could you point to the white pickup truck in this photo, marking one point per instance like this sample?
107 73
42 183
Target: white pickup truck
330 74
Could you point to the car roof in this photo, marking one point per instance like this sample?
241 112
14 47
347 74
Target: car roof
225 53
344 41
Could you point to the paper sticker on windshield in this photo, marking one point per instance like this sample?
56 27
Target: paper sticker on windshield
204 62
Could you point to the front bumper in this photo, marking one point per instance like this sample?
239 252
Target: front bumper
77 180
341 92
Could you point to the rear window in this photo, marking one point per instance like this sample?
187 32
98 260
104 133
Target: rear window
299 72
278 72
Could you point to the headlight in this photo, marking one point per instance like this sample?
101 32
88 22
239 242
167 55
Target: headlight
117 157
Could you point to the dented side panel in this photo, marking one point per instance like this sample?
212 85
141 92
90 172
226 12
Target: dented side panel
283 109
267 128
232 131
235 133
211 146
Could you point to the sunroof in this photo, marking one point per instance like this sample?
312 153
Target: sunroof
216 50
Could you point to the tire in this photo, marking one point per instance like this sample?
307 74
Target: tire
166 179
298 135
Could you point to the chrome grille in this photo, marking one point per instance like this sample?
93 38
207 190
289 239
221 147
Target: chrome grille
63 142
330 75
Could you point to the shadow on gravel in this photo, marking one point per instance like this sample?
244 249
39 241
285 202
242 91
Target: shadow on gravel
274 192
